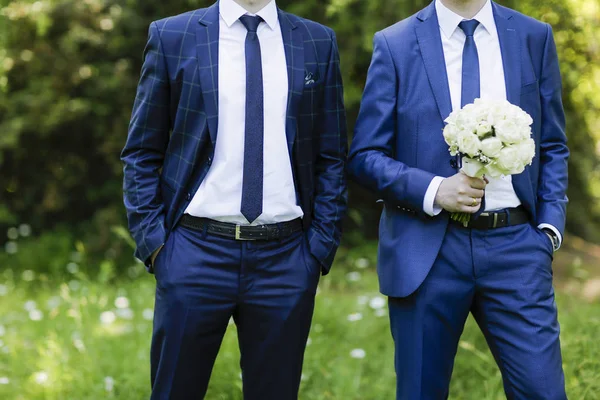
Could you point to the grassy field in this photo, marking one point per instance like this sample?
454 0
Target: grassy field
86 340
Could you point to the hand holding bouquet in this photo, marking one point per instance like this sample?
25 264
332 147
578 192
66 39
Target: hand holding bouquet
493 138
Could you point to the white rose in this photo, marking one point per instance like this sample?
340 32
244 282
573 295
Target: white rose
491 147
509 161
508 131
451 119
493 171
483 128
469 109
469 143
526 151
520 116
451 134
466 120
496 112
480 110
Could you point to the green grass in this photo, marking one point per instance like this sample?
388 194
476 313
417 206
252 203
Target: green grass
69 353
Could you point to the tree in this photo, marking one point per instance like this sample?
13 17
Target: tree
69 69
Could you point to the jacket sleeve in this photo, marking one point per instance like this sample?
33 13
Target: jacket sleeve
371 162
330 202
554 153
145 150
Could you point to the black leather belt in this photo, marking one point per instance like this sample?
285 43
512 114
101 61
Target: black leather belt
242 232
498 219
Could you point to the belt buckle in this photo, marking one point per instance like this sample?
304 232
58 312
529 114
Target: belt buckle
238 234
495 224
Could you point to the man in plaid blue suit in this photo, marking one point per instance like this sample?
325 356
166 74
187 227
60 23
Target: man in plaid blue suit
234 188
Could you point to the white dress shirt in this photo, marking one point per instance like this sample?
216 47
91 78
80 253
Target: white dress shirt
219 196
499 193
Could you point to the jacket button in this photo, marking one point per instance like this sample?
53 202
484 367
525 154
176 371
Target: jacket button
188 197
453 163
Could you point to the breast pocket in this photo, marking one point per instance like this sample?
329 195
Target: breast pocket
529 88
311 79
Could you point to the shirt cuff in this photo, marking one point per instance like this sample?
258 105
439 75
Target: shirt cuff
553 229
429 206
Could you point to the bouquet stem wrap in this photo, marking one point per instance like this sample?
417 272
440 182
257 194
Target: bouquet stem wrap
474 169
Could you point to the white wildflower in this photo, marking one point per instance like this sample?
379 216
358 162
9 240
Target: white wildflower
53 302
148 314
24 230
121 302
11 247
28 275
362 263
354 317
358 354
377 302
106 24
109 383
35 315
125 313
41 377
107 317
72 267
382 312
30 305
12 233
79 345
353 276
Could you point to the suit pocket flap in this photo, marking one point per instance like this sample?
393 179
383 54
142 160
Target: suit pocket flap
530 87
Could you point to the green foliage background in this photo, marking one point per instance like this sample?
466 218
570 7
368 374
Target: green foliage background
69 68
68 74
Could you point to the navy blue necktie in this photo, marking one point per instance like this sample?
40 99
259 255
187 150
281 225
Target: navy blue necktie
252 183
470 76
470 64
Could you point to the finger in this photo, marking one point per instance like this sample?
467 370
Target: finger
468 201
487 181
477 183
469 209
475 193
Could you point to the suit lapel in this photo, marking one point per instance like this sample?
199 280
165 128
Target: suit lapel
430 43
207 46
293 43
510 47
511 54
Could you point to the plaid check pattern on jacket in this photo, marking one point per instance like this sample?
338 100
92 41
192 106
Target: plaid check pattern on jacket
173 128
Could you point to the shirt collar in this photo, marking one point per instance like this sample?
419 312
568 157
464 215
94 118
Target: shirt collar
231 12
449 20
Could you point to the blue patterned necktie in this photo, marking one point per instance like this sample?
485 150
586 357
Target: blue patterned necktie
252 183
470 64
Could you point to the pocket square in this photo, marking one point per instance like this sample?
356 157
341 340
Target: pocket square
309 78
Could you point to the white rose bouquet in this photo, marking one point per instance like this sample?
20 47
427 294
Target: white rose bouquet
493 138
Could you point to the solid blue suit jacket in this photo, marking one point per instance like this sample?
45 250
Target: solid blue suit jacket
398 145
173 128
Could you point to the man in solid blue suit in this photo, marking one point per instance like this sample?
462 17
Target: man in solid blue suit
235 189
498 268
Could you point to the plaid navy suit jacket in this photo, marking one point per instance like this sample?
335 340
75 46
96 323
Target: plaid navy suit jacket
173 128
